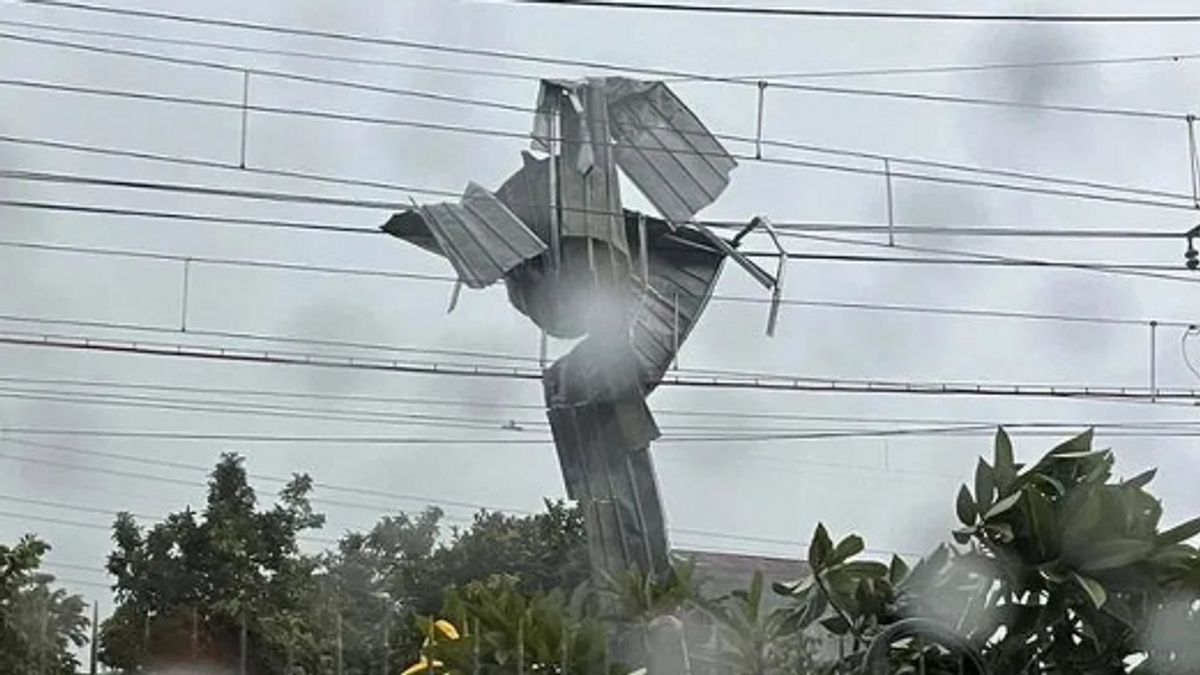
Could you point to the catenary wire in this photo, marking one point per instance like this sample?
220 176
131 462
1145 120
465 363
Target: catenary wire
769 381
823 13
678 530
508 55
331 116
89 386
526 77
498 105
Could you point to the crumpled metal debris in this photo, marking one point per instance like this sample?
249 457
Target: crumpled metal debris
579 265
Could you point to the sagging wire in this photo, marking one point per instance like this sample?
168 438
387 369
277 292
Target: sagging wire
1193 160
1192 331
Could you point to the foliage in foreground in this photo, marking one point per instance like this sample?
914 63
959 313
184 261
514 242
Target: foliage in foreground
1063 569
38 624
186 585
1059 568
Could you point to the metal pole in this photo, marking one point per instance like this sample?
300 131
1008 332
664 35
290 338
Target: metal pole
195 635
1193 160
542 349
183 305
245 114
339 643
555 147
1153 362
891 218
762 90
387 615
244 639
95 622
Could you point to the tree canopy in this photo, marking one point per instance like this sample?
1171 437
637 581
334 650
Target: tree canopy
39 624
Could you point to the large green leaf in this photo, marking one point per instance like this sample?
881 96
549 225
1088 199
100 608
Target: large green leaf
1002 506
1082 514
985 486
1003 464
1094 589
820 549
1079 444
965 506
836 625
1180 533
1042 523
897 570
846 549
1112 553
866 568
1142 479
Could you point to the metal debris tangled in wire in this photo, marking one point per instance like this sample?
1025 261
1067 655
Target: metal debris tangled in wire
579 265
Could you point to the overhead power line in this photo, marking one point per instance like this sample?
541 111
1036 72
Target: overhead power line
236 393
473 505
527 77
359 39
969 259
106 528
1184 201
814 13
444 192
675 432
964 67
1123 269
281 480
770 382
250 400
293 413
524 109
273 51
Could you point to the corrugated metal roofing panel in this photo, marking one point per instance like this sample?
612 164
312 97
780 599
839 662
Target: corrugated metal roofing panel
572 123
665 149
683 272
480 236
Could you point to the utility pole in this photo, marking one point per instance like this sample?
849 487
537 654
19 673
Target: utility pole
195 636
95 620
387 620
339 642
242 657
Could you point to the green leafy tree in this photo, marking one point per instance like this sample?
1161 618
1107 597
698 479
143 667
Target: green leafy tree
186 585
503 630
39 624
756 641
380 583
1064 570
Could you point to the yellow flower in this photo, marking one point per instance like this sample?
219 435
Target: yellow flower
446 628
421 666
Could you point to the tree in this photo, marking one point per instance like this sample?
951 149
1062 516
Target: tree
1064 570
38 624
186 586
382 582
504 630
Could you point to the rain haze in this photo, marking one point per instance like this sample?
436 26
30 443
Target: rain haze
747 470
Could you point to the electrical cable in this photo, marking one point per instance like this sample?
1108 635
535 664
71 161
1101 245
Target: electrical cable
955 68
814 13
438 96
526 77
326 115
360 39
678 530
735 379
1191 331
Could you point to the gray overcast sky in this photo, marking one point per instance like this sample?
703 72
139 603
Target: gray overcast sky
898 494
